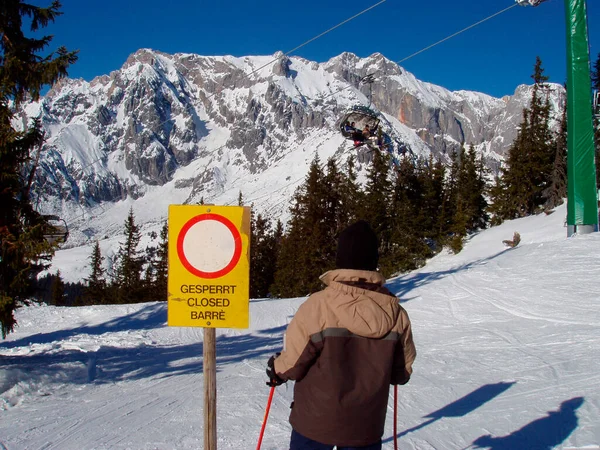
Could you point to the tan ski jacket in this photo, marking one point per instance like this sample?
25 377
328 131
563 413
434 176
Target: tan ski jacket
344 347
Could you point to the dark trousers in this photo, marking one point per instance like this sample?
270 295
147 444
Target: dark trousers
299 442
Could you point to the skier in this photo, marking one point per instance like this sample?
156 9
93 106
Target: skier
344 347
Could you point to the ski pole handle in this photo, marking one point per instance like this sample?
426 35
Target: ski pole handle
262 430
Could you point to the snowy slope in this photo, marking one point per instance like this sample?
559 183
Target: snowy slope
507 344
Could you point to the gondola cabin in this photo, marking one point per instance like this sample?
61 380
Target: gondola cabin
56 230
529 2
358 119
362 126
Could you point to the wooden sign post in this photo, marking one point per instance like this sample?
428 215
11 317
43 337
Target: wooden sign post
209 271
209 355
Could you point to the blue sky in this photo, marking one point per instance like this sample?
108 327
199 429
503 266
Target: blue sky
494 57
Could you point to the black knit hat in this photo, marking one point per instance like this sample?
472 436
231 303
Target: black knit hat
357 248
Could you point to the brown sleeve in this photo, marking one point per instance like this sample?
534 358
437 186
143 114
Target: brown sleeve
299 350
405 352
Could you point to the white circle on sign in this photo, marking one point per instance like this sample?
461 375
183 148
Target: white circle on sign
209 246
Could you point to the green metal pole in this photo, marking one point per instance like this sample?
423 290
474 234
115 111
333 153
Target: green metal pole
582 200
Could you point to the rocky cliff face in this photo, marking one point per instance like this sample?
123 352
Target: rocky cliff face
211 127
443 119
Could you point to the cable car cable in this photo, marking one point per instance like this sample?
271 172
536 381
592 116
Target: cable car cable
436 43
255 71
309 41
457 33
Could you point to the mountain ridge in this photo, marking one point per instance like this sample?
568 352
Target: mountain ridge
187 127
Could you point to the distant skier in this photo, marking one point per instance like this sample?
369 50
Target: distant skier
344 347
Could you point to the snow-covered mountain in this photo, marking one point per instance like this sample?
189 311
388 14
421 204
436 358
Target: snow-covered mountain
180 128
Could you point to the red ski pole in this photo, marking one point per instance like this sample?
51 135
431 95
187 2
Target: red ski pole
395 417
262 430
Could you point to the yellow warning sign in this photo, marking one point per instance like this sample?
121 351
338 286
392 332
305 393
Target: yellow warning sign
209 266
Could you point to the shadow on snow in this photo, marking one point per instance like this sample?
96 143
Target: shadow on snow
462 406
152 316
404 284
541 434
110 364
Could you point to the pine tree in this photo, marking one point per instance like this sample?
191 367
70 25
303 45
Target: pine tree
351 191
263 257
23 75
531 157
464 207
337 213
458 199
429 200
130 264
407 249
473 187
557 190
376 203
278 237
148 289
58 290
451 195
515 174
288 281
160 265
378 189
498 208
95 291
543 138
306 249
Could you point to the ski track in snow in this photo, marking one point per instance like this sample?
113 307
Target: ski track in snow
507 345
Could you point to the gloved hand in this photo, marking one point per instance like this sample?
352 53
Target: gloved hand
274 379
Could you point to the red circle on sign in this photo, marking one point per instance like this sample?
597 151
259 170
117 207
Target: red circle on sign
237 252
